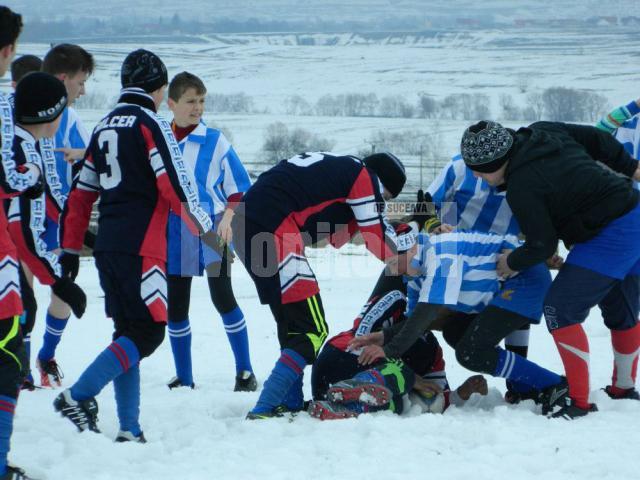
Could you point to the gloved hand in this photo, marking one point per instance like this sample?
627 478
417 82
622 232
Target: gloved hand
89 239
71 294
212 240
424 213
35 190
70 263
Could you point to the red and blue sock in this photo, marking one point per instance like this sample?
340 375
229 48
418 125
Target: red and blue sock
127 390
288 369
7 409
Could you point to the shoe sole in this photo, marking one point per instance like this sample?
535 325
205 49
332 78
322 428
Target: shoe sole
371 394
319 411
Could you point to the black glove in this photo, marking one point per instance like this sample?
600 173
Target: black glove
71 294
37 189
212 240
70 263
89 239
425 214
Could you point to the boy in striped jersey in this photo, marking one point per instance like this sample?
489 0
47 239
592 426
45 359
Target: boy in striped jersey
221 180
458 270
624 124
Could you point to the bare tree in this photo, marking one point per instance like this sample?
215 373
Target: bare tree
535 104
427 106
297 105
510 111
281 143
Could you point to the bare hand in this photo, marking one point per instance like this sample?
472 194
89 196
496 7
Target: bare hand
371 354
443 228
376 338
224 230
555 262
636 174
426 388
475 384
71 155
502 266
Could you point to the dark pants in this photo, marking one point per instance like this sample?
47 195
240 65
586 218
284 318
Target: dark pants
29 303
135 313
13 361
220 290
576 290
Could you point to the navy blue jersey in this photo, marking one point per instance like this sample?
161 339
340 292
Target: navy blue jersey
133 163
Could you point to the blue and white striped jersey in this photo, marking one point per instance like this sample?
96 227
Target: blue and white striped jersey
469 203
623 124
457 269
218 171
71 134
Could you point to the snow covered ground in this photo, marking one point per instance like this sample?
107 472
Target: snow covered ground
202 434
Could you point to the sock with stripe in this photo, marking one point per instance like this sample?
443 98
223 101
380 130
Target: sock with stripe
236 329
517 369
114 360
7 409
52 334
180 339
127 390
518 343
573 346
288 369
294 400
626 345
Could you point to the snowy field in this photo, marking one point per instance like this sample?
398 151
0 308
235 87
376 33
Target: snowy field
202 434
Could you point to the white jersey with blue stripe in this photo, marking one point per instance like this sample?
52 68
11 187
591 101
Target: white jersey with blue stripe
457 269
218 171
470 203
71 134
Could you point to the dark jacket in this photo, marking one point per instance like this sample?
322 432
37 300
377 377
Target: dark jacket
557 190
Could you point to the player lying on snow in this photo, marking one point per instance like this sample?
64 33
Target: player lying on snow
458 270
419 374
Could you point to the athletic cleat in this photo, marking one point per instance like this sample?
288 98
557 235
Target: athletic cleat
15 473
176 383
622 394
275 413
130 437
512 397
83 414
347 391
571 411
327 410
28 385
50 374
554 396
245 382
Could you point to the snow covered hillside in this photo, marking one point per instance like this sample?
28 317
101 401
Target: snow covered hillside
202 434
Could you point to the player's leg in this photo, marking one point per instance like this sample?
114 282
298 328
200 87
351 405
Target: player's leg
27 322
179 329
56 320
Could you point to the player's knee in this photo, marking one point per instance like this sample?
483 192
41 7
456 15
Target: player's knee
148 338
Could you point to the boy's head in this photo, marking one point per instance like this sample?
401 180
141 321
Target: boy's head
144 69
10 28
186 99
72 65
40 99
23 65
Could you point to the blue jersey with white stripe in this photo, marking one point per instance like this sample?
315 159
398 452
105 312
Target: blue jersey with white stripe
71 134
470 203
458 269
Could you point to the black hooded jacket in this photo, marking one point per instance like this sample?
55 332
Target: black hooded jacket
557 190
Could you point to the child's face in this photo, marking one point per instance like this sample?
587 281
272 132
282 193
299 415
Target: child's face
74 85
188 109
6 57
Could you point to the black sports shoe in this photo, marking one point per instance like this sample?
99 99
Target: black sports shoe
50 374
246 382
628 394
555 395
15 473
176 383
512 397
571 411
84 414
130 437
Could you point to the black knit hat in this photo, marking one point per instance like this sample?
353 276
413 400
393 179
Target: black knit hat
485 146
143 69
40 98
389 169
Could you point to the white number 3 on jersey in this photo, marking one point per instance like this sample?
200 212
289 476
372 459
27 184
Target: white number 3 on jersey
306 159
108 144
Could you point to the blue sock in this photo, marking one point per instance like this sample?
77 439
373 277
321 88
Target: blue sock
127 389
294 400
236 329
52 334
370 376
7 407
180 339
27 348
516 368
114 360
289 367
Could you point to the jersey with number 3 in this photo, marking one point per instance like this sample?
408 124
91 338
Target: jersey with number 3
133 163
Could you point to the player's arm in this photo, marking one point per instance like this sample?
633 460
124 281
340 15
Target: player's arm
366 203
175 181
398 340
440 191
617 117
235 182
